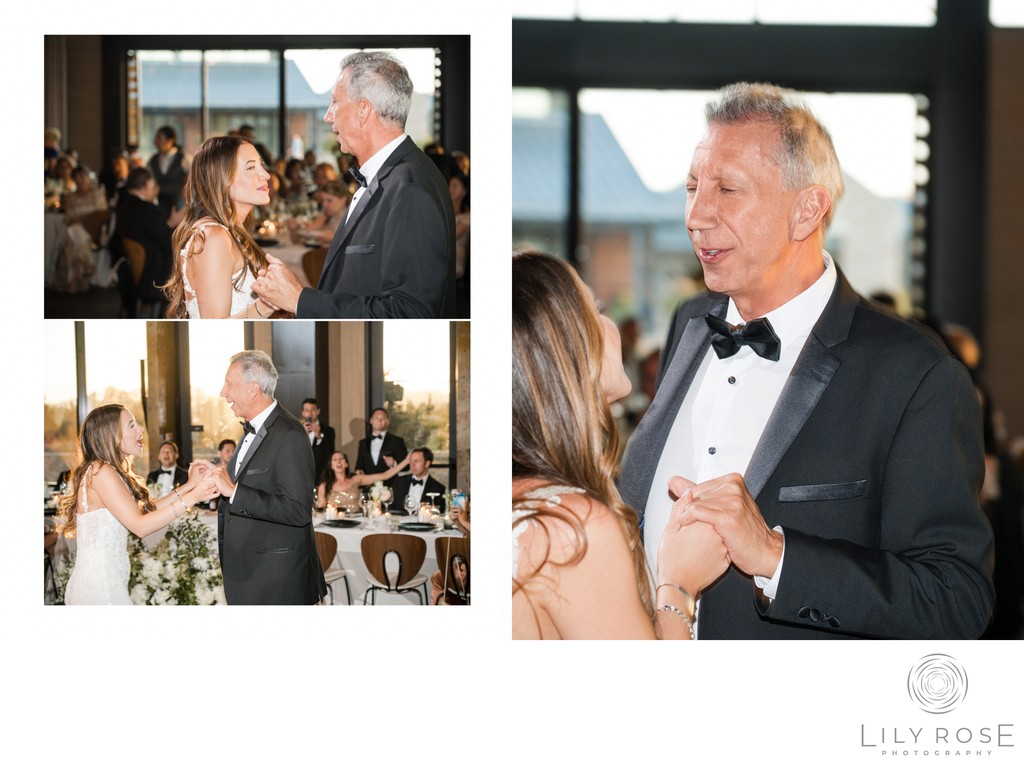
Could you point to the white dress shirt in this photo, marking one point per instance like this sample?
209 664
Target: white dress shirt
375 445
416 490
371 166
727 407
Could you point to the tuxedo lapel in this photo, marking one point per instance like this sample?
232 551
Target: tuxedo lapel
648 441
807 382
257 440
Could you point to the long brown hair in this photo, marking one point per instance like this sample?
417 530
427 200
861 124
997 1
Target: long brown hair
207 195
328 476
100 442
563 432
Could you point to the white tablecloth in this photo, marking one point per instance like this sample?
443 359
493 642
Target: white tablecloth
350 556
292 257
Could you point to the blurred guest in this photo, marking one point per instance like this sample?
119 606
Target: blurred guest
62 170
225 450
381 449
334 201
417 485
114 175
461 160
51 149
458 188
323 173
321 435
248 132
86 198
169 475
170 166
139 219
457 589
295 180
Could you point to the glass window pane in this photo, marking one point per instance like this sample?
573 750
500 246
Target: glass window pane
1006 13
635 252
60 397
540 170
114 356
210 345
416 385
243 90
170 93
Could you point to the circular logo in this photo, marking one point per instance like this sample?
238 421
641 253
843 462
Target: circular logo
937 683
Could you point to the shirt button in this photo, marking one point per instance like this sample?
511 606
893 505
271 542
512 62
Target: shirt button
712 450
732 379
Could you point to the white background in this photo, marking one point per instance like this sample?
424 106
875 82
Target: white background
275 685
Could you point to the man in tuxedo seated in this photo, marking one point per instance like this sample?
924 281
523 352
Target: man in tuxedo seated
225 450
169 475
321 436
418 484
138 218
382 449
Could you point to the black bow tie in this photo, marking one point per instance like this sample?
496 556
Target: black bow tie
377 436
757 333
247 427
359 177
418 482
167 470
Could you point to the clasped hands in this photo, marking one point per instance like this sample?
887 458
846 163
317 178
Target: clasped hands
211 480
278 286
712 525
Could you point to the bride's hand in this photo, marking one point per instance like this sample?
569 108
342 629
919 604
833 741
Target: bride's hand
198 469
692 554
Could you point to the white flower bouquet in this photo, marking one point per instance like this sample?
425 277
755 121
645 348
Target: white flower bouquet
184 568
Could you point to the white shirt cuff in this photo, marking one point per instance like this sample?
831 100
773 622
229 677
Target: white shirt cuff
770 586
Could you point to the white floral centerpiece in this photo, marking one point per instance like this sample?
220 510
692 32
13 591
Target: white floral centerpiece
184 567
380 493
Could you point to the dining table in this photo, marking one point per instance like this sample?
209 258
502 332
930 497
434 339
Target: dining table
350 556
290 254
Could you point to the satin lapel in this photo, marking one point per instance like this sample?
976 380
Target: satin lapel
648 441
811 375
233 465
257 441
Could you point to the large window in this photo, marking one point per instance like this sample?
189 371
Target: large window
210 346
60 395
417 370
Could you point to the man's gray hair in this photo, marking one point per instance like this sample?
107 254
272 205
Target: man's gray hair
806 154
382 80
257 367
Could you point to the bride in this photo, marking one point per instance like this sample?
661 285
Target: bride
217 256
106 500
579 569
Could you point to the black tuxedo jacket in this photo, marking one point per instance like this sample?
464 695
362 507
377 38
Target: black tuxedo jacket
871 462
395 255
322 452
400 489
180 476
393 445
267 549
146 224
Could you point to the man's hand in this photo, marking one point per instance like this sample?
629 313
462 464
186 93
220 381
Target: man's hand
223 484
726 504
199 469
278 285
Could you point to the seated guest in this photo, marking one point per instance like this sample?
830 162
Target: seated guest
381 449
418 484
456 589
114 175
334 199
341 488
86 198
225 450
169 475
139 219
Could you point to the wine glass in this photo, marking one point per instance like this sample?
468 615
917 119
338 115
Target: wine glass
433 505
386 496
411 505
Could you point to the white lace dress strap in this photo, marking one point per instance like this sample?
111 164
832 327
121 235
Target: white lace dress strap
546 496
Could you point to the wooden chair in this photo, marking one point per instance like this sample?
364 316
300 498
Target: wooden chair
411 552
96 224
452 552
313 263
135 253
327 547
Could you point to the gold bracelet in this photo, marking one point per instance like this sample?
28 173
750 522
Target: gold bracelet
671 609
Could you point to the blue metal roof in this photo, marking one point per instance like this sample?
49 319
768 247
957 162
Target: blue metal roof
251 85
612 191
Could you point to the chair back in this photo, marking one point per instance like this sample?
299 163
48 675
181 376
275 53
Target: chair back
411 552
96 223
452 553
136 255
313 263
327 548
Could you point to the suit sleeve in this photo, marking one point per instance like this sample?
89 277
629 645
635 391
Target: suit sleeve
415 259
930 576
282 493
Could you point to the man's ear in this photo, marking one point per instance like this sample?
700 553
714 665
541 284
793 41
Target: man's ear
811 209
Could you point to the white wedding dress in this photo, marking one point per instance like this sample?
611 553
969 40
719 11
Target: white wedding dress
101 568
546 496
241 296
